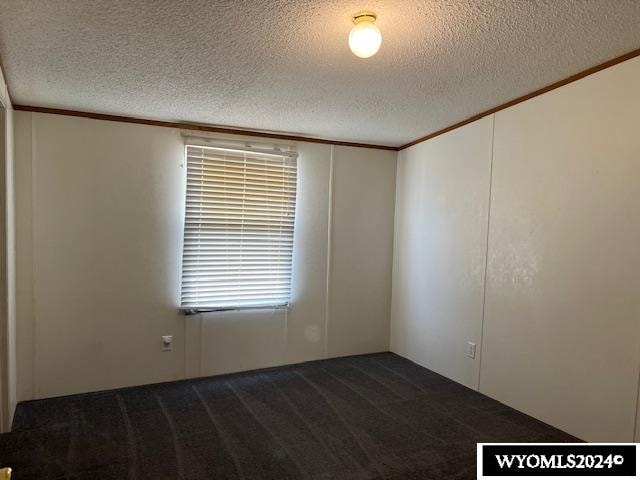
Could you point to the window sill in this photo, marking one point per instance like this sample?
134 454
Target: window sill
200 310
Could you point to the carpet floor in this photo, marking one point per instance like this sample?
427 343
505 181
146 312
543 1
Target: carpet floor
365 417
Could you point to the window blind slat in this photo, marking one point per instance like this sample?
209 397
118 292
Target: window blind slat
238 236
240 182
251 177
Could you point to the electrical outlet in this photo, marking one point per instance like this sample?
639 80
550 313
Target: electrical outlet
167 343
471 350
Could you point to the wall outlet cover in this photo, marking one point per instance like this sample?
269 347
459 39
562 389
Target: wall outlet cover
167 343
471 350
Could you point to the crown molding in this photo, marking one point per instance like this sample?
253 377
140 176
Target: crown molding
524 98
197 127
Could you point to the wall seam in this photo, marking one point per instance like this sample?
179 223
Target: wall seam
635 424
4 327
394 253
486 250
34 383
201 352
12 286
329 235
185 371
285 339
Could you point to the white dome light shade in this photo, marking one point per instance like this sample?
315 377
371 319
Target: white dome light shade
365 37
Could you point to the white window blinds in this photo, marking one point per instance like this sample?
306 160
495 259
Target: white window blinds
238 235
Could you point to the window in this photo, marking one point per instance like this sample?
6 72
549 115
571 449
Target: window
238 235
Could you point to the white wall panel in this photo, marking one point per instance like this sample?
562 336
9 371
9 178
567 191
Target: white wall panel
363 196
562 321
8 368
24 255
243 340
108 205
306 318
441 232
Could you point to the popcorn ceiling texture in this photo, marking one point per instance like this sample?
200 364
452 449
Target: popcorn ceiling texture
284 65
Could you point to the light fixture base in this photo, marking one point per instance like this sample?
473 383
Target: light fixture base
364 17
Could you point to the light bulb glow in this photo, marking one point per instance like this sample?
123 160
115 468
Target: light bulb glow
365 38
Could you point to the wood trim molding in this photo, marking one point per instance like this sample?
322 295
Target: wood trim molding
197 127
548 88
300 138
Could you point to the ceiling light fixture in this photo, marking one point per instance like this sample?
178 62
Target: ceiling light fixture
365 37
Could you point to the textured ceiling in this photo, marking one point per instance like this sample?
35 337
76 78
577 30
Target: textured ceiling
284 65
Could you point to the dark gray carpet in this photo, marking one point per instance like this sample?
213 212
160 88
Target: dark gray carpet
366 417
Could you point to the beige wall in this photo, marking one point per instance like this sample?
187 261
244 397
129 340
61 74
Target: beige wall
24 255
561 329
440 250
100 210
562 320
361 251
106 220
